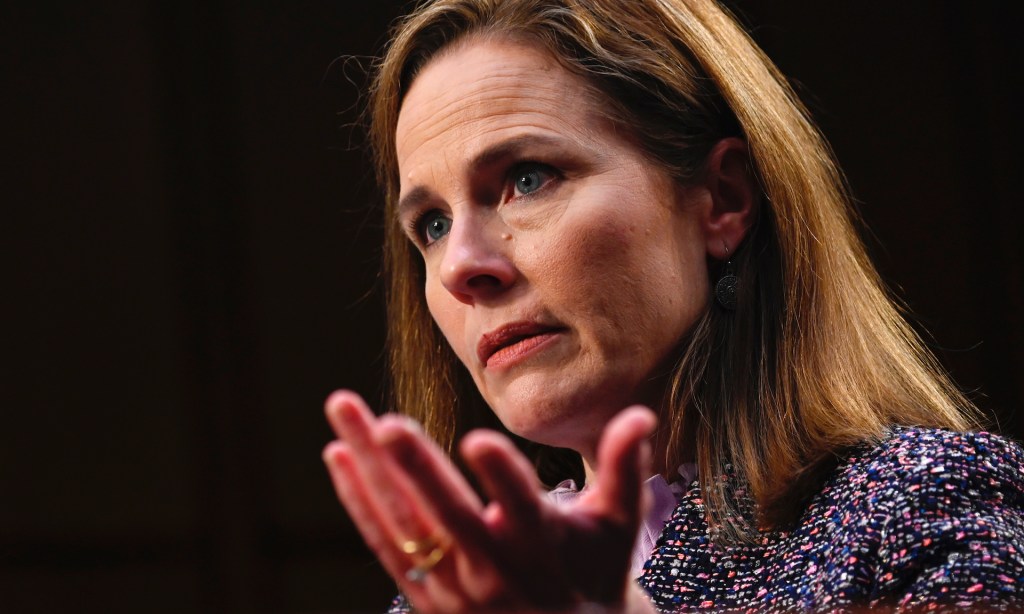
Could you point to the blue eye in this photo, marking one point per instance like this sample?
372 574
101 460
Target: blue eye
529 178
434 226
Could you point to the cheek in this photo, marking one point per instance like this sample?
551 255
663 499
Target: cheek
446 314
596 269
631 282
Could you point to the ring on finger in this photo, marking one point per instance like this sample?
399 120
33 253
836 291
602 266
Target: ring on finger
418 546
429 551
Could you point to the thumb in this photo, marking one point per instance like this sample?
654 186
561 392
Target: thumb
624 464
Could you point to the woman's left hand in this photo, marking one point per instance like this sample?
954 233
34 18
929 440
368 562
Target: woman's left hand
450 552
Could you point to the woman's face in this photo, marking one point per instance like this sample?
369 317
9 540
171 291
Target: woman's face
561 265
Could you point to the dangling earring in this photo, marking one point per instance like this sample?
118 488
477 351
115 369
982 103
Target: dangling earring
727 284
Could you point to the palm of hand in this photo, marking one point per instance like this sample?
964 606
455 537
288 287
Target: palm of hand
519 552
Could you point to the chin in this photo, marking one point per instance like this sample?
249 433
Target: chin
572 423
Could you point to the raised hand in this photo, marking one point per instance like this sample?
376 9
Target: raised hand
449 552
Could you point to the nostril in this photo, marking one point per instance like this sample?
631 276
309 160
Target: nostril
484 278
483 281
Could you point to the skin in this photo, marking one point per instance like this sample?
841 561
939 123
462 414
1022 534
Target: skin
518 553
608 248
529 209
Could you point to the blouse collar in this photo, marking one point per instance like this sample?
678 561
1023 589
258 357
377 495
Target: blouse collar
664 498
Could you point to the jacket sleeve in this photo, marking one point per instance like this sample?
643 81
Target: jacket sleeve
400 605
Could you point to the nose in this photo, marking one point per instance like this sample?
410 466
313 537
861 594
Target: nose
476 264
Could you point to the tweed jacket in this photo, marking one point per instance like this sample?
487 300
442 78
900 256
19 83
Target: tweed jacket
926 520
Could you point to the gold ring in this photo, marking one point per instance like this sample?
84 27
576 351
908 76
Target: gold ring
434 550
414 546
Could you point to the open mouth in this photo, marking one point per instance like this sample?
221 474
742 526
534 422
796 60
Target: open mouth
512 342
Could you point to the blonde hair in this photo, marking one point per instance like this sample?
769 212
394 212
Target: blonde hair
815 358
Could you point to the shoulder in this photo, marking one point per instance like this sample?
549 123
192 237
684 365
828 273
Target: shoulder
968 447
944 511
937 466
922 480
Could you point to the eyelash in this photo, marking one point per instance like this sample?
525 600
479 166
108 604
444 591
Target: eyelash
415 226
521 168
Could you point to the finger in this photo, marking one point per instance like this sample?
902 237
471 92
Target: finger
439 485
355 424
507 477
393 506
623 463
345 411
362 508
519 516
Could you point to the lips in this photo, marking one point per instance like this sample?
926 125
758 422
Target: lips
508 343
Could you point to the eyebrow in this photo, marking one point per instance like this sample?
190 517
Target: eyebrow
413 200
510 148
501 150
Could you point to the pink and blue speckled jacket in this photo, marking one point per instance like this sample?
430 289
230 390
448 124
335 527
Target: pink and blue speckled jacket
927 520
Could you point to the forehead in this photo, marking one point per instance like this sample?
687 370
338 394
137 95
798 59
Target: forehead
487 89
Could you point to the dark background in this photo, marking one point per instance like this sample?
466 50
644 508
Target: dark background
192 267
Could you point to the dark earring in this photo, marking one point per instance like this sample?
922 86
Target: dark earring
726 286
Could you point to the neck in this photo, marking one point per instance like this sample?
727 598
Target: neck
588 470
659 440
658 444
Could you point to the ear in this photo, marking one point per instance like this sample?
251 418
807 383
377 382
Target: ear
735 197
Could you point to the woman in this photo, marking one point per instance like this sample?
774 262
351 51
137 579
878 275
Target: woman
596 207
